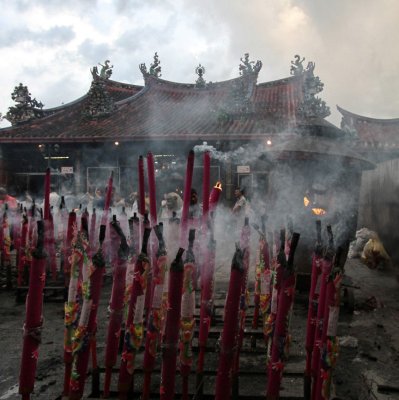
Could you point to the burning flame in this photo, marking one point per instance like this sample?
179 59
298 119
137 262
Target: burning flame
318 211
218 186
306 201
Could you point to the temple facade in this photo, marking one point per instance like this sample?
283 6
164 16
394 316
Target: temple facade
257 133
114 122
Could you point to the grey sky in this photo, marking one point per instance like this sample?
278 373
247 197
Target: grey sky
50 45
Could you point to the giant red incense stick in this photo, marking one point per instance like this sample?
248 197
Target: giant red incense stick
33 319
108 197
244 244
262 277
207 284
141 186
51 247
186 199
88 322
172 324
205 189
135 234
23 250
329 340
151 189
134 324
72 305
276 364
6 246
325 272
131 262
116 306
134 227
187 322
16 230
153 222
312 308
87 336
68 247
92 232
277 273
157 314
47 180
48 227
107 245
215 196
228 337
141 199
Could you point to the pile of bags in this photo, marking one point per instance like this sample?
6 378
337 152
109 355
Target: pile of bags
369 248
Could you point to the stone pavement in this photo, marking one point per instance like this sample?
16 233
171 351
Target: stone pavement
369 358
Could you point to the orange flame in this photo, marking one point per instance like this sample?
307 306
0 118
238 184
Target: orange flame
306 201
218 186
318 211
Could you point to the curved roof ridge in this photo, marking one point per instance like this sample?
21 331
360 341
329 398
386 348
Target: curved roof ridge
154 81
369 119
279 81
64 106
132 98
120 84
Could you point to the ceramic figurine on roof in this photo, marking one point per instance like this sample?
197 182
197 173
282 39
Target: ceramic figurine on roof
311 106
200 71
26 107
106 70
155 68
297 65
248 67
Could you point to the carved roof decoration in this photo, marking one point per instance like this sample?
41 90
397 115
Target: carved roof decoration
312 106
25 108
155 68
200 71
99 103
105 72
248 67
235 109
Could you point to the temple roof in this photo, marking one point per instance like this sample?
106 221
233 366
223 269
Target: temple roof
371 132
161 110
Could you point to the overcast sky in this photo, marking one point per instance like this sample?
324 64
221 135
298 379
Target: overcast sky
50 45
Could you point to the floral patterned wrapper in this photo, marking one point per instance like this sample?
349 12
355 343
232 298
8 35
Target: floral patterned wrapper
33 319
72 306
92 274
281 332
155 322
134 324
172 324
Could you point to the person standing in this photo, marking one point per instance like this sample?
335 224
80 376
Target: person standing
6 198
238 211
240 204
